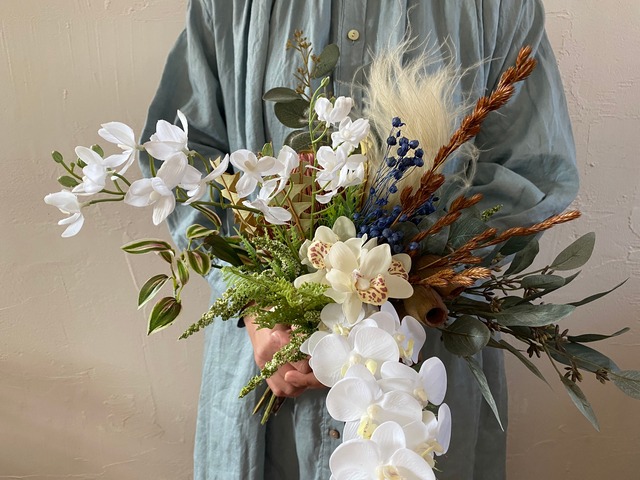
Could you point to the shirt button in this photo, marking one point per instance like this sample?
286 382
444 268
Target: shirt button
334 434
353 35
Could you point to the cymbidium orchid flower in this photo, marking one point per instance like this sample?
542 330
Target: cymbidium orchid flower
273 215
384 456
67 202
333 113
350 133
122 135
157 191
195 185
362 279
95 172
334 354
169 139
253 170
286 162
429 385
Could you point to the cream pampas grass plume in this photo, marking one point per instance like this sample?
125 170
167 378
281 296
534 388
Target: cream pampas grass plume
425 97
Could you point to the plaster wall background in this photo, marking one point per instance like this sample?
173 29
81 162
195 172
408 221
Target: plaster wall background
85 394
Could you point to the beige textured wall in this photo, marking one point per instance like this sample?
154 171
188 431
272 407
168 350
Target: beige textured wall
85 394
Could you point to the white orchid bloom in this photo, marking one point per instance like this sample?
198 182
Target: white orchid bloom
286 162
350 133
334 354
253 170
430 436
67 202
158 191
331 162
195 185
385 456
122 135
273 215
429 385
333 113
409 333
362 279
95 171
169 139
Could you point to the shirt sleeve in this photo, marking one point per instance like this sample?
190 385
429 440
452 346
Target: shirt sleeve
190 83
527 161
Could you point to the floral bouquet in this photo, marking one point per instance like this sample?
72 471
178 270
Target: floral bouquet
353 238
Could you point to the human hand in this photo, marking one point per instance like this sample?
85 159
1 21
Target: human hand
292 378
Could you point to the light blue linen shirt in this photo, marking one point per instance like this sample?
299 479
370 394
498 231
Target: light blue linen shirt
229 54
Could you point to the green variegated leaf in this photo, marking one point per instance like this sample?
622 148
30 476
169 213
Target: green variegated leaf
208 213
167 256
183 272
580 401
151 288
292 114
576 254
163 314
199 262
466 336
67 181
596 296
281 94
533 315
198 231
542 281
524 258
327 61
145 246
480 377
594 337
628 381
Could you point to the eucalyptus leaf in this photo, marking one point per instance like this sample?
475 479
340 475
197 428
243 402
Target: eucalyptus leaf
199 262
67 181
466 336
327 61
596 296
515 245
299 140
533 315
139 247
576 254
595 337
509 302
567 281
580 401
524 258
584 357
151 288
480 377
163 314
628 381
518 354
281 94
542 281
465 229
292 114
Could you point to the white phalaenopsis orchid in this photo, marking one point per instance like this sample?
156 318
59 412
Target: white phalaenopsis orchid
95 171
333 113
67 202
253 170
157 191
432 435
350 133
384 456
169 140
273 215
195 185
366 278
408 332
429 385
122 135
368 346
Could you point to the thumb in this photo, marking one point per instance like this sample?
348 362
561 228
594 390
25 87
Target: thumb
280 335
